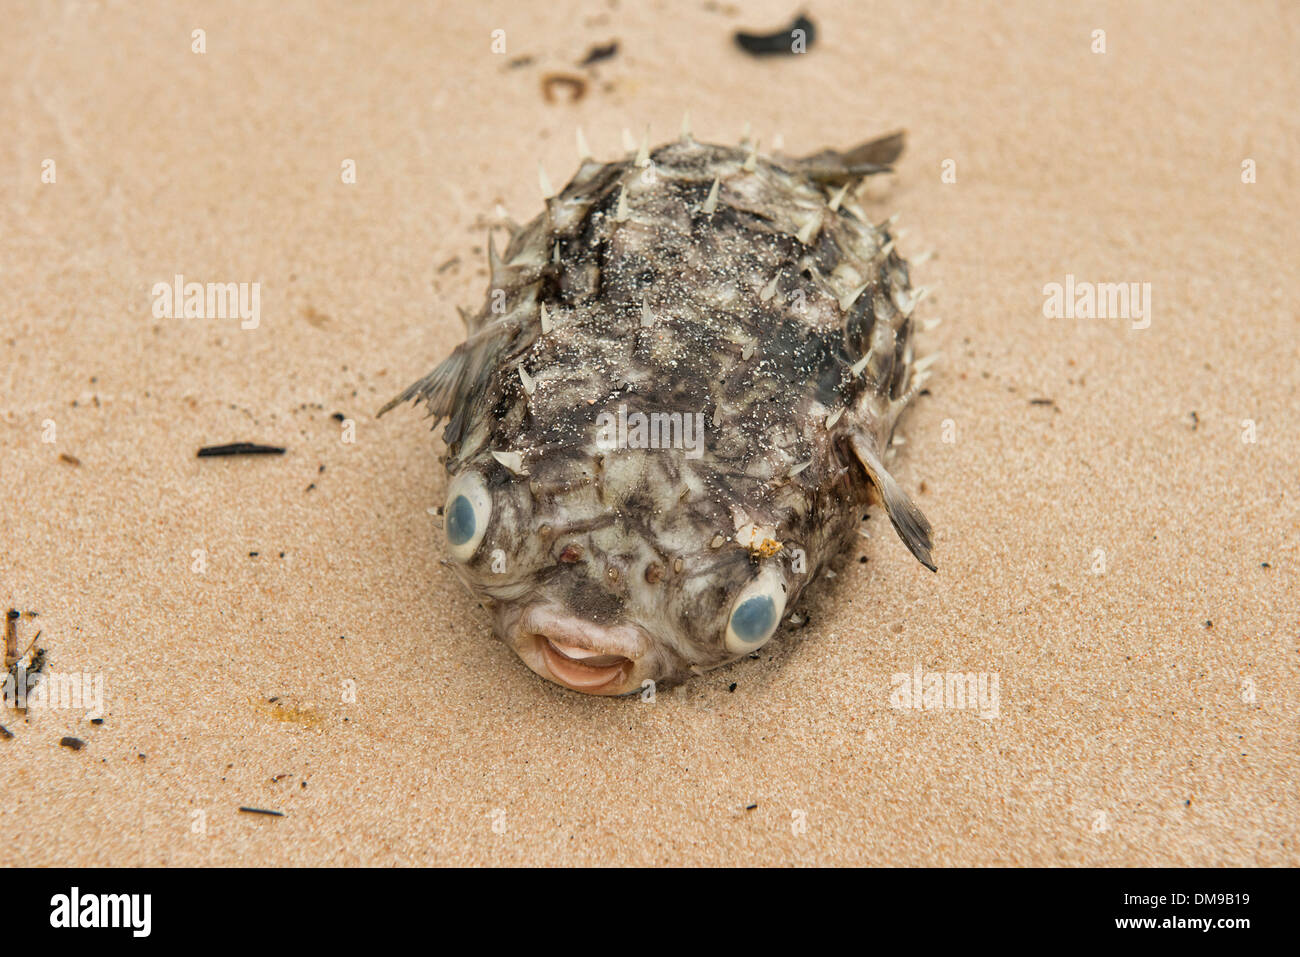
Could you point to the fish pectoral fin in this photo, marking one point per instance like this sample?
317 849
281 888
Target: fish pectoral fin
462 374
906 518
437 389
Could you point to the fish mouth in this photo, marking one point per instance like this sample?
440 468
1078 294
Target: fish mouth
580 669
579 654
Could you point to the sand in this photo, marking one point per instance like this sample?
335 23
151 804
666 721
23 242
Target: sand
1115 500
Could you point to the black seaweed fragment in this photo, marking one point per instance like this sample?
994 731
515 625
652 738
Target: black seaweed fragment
600 52
779 43
240 448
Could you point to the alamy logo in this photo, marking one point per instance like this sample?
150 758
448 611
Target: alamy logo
1098 300
950 690
102 910
658 430
211 300
26 690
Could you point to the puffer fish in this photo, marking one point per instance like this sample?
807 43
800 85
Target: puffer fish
667 417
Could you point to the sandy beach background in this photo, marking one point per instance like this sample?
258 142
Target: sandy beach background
1115 505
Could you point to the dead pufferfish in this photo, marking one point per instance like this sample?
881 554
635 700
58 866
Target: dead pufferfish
668 415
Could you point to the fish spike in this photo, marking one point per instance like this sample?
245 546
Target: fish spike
511 460
466 317
643 154
686 126
923 364
748 132
898 405
584 151
647 320
711 201
545 182
809 230
850 297
834 417
495 265
545 319
529 383
622 213
838 197
751 161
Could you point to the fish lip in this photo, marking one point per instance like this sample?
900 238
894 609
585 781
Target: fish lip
624 640
581 656
558 646
577 675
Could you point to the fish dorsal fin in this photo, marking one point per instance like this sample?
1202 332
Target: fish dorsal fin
907 519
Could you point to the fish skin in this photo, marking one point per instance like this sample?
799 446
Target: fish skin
768 315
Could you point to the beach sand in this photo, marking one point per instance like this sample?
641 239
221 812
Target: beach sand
1114 499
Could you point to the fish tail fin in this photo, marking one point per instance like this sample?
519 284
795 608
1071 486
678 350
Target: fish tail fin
836 167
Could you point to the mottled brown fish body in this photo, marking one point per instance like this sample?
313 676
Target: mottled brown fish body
669 412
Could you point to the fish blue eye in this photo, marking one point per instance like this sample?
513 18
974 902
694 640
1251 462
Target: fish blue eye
753 618
461 523
467 514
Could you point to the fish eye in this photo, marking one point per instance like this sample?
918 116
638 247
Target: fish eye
468 509
755 614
